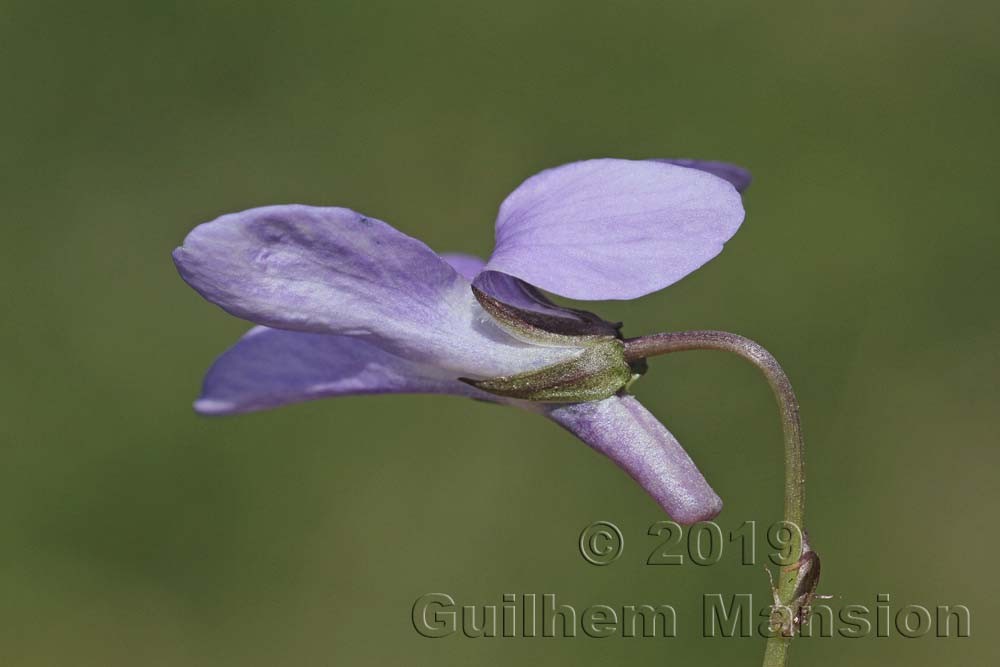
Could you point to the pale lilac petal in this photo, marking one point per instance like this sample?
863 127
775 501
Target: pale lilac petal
738 176
269 368
613 229
332 270
272 367
467 266
622 429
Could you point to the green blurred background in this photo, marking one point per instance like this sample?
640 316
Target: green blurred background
133 532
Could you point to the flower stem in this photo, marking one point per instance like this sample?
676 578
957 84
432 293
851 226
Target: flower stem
776 651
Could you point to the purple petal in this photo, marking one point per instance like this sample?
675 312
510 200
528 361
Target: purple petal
467 266
613 229
626 432
332 270
272 367
738 176
268 368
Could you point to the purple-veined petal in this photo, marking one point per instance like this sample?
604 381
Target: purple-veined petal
467 266
335 271
735 174
268 368
613 229
623 430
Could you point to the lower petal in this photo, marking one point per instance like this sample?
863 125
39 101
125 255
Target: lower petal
268 368
623 430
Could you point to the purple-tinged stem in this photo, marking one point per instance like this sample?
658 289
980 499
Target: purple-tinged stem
776 651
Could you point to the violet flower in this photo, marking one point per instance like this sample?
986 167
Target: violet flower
348 305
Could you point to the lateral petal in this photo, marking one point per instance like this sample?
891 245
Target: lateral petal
335 271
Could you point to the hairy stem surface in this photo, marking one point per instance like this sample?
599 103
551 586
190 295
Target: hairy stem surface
776 651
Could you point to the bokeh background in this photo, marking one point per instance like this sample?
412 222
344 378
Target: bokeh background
136 533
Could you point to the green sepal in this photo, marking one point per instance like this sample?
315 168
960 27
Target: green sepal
578 329
598 372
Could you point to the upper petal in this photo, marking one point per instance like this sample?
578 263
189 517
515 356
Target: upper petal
333 270
272 367
622 429
467 266
613 229
735 174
